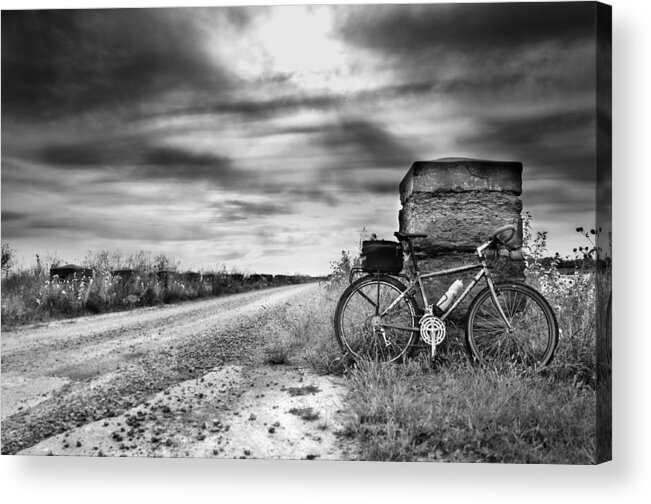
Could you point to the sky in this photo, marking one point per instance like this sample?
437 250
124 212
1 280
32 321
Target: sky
266 138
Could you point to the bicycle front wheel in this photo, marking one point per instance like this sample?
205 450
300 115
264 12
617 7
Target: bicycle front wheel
362 327
532 337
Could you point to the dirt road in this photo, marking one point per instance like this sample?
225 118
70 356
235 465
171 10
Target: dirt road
181 380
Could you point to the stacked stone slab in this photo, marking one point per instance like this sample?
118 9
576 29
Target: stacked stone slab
458 202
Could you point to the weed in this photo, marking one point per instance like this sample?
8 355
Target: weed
301 391
277 353
307 414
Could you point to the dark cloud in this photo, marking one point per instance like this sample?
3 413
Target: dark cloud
480 28
253 108
10 216
328 196
135 158
559 199
478 52
57 62
62 222
229 256
382 186
95 152
234 210
275 252
359 143
559 145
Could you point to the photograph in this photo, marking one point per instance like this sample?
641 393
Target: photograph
337 232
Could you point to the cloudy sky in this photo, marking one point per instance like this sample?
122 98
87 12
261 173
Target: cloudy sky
267 137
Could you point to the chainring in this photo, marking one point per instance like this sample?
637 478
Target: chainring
432 330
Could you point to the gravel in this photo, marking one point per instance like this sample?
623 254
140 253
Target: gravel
63 377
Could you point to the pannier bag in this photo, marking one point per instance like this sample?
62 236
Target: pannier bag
381 256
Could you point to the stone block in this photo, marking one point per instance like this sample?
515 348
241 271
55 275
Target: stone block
461 174
458 203
457 221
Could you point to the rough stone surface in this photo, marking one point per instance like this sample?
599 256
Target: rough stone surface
458 203
457 221
461 174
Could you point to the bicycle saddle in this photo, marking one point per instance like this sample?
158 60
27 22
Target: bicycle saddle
408 236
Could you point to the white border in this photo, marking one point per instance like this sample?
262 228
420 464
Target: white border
63 479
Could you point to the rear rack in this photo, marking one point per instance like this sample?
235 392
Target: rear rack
353 272
360 271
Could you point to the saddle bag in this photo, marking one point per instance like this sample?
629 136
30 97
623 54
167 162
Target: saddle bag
382 256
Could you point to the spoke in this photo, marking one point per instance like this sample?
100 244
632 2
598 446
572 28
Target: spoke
528 339
364 334
364 296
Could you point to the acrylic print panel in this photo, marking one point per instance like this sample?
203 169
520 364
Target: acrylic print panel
184 196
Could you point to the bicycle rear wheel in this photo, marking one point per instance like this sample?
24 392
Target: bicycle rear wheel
363 332
533 336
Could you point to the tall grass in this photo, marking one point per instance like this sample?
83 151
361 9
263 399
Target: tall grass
451 410
29 295
468 414
303 336
572 293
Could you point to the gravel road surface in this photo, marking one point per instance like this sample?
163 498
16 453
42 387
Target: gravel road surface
179 380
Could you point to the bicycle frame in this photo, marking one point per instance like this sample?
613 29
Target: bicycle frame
418 281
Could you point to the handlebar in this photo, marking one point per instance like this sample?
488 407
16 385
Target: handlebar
502 236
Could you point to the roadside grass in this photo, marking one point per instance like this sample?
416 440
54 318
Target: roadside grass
452 410
29 295
448 410
303 335
464 413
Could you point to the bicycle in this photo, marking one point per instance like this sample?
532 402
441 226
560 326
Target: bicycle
378 317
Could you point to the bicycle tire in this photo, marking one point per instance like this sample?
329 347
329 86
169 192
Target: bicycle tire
534 337
353 321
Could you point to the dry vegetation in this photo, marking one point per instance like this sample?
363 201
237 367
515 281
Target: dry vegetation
454 411
32 295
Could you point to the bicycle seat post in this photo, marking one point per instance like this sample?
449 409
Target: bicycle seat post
412 254
402 237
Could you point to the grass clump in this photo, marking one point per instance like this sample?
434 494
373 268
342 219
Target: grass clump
467 414
307 414
302 334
